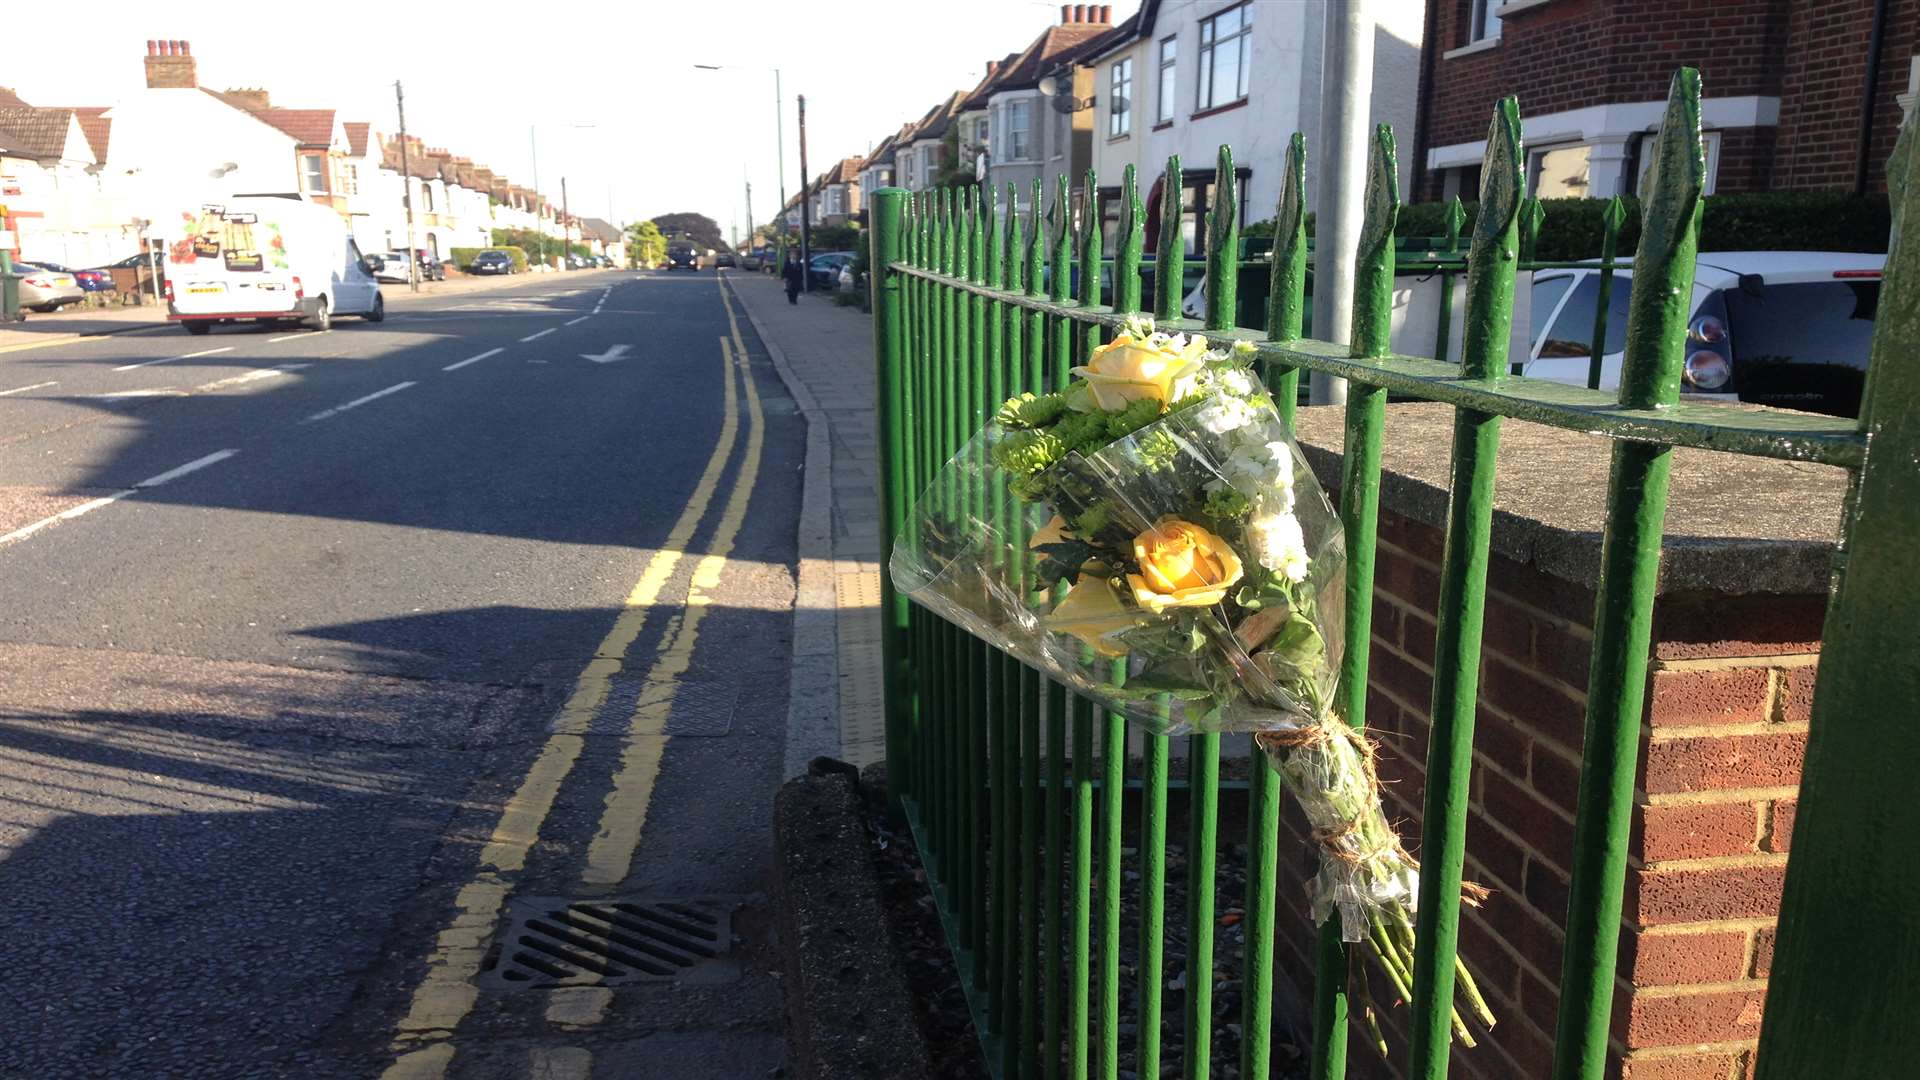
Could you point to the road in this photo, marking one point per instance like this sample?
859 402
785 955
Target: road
320 654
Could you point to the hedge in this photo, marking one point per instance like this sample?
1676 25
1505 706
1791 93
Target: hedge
1760 221
463 256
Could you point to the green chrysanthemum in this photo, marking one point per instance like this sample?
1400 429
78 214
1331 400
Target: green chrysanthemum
1136 415
1082 432
1028 452
1028 411
1226 504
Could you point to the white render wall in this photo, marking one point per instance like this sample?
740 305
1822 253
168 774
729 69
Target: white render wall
166 145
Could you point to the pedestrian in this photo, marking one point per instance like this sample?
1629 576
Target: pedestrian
796 277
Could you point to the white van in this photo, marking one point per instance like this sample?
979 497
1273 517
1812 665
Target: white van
268 258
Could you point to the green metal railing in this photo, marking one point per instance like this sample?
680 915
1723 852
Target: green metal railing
1021 827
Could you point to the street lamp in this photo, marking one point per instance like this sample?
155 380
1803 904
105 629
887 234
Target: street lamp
779 141
533 140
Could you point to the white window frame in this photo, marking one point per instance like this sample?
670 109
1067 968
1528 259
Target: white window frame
1164 99
1709 144
1211 44
1536 154
1019 135
1120 98
1483 21
307 177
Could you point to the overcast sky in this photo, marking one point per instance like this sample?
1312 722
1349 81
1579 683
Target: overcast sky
664 136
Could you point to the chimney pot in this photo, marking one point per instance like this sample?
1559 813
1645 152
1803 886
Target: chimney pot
152 46
1079 13
1066 14
1106 13
186 48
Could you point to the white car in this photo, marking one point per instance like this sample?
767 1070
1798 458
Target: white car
1784 328
268 259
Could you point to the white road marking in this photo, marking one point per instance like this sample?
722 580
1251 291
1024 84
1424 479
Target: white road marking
170 359
122 395
290 337
614 352
24 389
540 334
195 465
357 402
472 360
581 319
252 376
65 515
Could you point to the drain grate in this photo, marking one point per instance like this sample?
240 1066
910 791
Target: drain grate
558 941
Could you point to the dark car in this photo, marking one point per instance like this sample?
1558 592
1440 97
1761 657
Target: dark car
682 256
491 262
725 259
823 271
89 280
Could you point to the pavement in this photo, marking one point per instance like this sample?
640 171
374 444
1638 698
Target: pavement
323 655
824 353
45 328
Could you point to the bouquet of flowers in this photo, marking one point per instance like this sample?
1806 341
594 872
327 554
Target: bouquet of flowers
1150 537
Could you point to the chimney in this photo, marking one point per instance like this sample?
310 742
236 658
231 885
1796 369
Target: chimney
170 66
1106 15
1079 13
993 68
252 97
1066 14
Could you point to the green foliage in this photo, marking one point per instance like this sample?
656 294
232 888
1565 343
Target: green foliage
1028 452
1136 415
1082 432
646 244
1157 450
699 229
462 257
835 238
1027 411
1227 504
1094 520
530 244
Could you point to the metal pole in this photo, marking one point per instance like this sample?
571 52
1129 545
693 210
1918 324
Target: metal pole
749 216
406 189
1345 95
540 234
566 225
806 212
780 170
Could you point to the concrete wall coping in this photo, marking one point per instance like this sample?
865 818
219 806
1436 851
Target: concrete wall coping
1735 525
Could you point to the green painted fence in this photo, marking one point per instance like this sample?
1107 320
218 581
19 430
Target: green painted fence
1020 828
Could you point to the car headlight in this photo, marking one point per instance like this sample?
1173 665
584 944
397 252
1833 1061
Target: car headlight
1707 370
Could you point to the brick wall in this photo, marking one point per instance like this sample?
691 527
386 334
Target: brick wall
1726 726
1569 54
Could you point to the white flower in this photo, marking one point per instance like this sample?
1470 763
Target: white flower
1224 414
1235 381
1279 545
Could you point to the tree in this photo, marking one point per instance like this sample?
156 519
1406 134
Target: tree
646 244
699 229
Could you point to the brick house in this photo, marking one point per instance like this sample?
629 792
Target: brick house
1786 104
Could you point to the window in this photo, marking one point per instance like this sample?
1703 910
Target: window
351 179
836 200
1571 334
1226 57
313 173
426 197
1562 172
1120 99
1643 155
1482 23
1163 94
1019 130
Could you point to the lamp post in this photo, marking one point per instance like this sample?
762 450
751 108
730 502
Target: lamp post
533 143
779 145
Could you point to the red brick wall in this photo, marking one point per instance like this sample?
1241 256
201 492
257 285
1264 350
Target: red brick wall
1569 54
1726 725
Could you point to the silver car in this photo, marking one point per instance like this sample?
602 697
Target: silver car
46 290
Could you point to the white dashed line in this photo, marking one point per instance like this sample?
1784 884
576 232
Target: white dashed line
581 319
24 389
171 359
472 360
540 334
357 402
290 337
65 515
195 465
252 376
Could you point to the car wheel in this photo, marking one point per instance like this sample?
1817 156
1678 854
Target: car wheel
379 310
198 329
322 317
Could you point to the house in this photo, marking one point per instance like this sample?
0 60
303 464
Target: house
1187 76
971 127
50 192
1783 104
920 156
1038 126
839 193
320 142
877 169
605 238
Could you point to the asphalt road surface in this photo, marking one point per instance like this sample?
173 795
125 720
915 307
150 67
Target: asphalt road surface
321 655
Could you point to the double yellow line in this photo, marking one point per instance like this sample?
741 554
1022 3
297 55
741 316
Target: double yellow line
447 992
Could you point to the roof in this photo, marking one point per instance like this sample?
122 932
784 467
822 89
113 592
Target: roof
308 127
8 97
600 229
357 137
97 127
977 97
35 133
885 149
934 125
1127 31
844 171
1056 44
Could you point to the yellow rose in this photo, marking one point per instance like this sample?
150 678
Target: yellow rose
1091 611
1125 370
1181 565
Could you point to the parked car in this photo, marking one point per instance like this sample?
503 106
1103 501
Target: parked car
753 260
725 259
682 256
88 280
262 258
491 262
823 271
1784 328
45 289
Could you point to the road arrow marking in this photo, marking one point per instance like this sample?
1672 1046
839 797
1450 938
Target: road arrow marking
614 352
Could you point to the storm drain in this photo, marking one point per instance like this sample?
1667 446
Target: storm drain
557 941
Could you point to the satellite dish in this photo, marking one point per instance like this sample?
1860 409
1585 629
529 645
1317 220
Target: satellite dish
1059 90
1068 104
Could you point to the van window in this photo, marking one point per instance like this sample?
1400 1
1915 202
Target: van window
1815 322
1547 292
1572 332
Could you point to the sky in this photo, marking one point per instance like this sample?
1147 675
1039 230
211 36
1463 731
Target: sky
605 92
